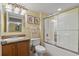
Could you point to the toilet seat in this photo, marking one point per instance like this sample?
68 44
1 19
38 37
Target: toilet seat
40 48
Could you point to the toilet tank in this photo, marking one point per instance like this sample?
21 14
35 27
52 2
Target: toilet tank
35 41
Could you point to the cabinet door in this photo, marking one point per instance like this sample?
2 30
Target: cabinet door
23 48
9 49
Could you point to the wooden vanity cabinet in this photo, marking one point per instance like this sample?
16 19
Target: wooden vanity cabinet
9 49
23 48
20 48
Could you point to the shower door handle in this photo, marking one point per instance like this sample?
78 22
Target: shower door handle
55 36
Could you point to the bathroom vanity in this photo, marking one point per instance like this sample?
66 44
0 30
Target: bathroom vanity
18 46
12 40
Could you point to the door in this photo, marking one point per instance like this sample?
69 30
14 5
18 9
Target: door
9 49
50 30
46 29
67 30
23 48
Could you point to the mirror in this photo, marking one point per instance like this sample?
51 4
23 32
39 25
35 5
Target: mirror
15 25
14 22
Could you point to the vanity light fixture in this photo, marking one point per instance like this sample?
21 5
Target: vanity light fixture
23 12
17 10
59 9
9 8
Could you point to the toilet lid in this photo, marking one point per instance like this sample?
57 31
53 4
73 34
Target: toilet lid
40 48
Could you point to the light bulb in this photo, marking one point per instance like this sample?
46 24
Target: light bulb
9 8
59 9
23 12
16 10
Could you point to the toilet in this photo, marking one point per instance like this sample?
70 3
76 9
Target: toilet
40 50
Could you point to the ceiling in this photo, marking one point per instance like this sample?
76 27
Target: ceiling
49 8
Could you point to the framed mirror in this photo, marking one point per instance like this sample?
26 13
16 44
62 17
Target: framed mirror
14 22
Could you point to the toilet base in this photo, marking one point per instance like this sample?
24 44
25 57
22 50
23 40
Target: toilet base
40 54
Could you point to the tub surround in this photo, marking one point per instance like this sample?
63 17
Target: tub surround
54 50
61 37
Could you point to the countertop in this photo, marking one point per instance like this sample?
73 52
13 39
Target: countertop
10 40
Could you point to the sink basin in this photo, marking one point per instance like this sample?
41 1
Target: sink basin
14 39
3 42
9 40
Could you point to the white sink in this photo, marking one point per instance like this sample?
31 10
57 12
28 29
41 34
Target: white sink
14 39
